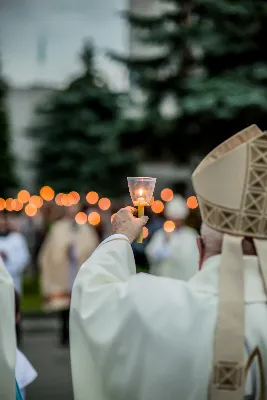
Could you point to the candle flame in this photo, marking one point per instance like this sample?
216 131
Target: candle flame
140 192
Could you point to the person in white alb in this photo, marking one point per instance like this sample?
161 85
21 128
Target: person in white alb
24 372
16 370
65 248
13 250
7 336
174 254
15 255
141 337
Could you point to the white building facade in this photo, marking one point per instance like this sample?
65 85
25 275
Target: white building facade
40 42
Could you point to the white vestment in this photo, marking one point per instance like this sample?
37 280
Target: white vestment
25 373
65 249
15 247
141 337
173 255
7 335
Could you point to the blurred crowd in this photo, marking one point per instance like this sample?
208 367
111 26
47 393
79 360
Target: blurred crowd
51 246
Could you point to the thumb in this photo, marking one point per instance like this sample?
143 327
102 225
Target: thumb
143 220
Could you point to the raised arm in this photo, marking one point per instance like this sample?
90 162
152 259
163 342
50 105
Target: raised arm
107 270
101 304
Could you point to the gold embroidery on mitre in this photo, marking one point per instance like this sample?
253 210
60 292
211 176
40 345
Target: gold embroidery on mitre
251 219
235 141
228 375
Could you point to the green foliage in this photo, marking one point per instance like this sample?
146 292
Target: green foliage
7 177
31 297
212 59
79 131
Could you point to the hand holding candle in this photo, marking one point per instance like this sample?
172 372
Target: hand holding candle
141 191
125 223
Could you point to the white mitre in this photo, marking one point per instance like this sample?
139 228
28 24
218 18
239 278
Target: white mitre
176 208
231 187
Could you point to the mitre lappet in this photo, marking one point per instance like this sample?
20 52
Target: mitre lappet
231 187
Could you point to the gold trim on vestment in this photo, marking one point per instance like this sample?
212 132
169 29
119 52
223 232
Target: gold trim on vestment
257 354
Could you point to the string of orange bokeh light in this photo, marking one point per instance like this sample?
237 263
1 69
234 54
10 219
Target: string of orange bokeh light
32 203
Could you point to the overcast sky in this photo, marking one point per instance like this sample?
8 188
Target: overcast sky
58 28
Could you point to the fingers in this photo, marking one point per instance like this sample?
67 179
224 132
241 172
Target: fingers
125 223
143 220
131 209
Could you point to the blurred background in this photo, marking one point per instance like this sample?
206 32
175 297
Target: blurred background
94 91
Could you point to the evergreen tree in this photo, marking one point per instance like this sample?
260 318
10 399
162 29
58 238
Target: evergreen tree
213 62
231 91
160 74
7 176
79 131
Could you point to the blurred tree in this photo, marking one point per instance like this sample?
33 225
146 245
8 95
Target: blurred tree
230 92
203 72
78 131
8 180
159 66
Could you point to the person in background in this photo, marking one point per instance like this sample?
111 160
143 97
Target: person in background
25 373
174 254
49 214
15 254
28 228
66 246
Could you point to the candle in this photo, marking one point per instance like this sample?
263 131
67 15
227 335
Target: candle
140 200
141 213
141 190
